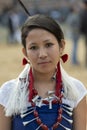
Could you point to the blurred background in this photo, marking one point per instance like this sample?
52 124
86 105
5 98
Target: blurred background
12 15
66 12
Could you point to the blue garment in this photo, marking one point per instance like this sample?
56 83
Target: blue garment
48 117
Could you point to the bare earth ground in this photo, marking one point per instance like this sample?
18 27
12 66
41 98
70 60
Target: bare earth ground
11 62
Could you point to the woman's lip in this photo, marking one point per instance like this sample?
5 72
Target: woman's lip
46 62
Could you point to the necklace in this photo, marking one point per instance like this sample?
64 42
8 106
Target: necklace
34 94
59 118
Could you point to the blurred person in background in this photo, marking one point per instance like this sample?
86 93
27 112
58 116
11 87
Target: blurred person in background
83 26
73 24
14 35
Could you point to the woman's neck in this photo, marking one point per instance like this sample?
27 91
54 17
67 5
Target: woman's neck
43 77
44 83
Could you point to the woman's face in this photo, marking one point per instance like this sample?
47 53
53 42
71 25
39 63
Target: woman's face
43 50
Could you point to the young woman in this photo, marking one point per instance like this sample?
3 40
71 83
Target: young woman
44 96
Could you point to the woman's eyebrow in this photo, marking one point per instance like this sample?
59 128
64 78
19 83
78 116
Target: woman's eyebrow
47 40
32 43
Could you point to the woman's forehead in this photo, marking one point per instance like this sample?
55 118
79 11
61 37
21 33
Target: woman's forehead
40 34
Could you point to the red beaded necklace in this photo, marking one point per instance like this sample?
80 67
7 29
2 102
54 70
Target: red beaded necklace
33 93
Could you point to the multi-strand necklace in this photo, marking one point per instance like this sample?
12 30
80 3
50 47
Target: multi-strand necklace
56 98
33 96
64 111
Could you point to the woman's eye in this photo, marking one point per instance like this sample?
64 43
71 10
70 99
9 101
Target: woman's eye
49 44
33 47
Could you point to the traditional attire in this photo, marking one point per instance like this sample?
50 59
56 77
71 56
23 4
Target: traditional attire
25 116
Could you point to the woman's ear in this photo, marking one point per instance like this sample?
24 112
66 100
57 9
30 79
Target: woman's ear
62 47
25 59
24 51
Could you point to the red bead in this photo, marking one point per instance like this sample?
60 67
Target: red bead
60 101
35 92
38 121
55 126
35 113
33 104
60 111
59 118
45 102
61 95
54 101
44 127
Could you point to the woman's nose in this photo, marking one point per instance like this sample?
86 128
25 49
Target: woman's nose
42 53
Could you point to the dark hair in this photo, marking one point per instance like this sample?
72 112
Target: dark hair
44 22
85 2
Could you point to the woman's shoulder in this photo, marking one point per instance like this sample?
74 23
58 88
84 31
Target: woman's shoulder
80 87
5 91
8 86
78 83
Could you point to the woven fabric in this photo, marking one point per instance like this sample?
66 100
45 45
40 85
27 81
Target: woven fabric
48 117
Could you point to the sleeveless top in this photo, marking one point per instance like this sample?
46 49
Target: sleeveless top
26 120
48 117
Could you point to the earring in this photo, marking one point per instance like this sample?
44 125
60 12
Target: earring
25 61
64 58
